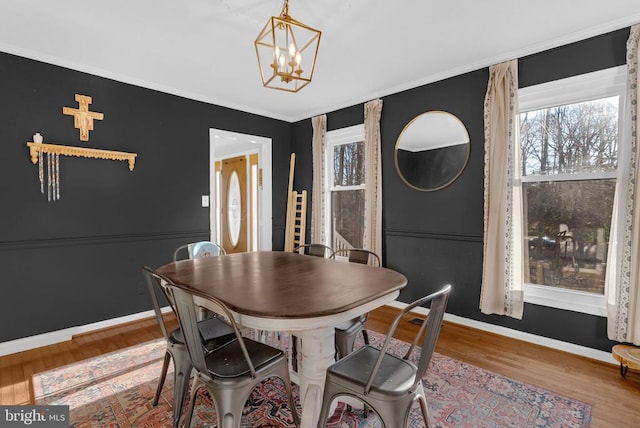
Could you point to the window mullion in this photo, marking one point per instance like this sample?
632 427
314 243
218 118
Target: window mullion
605 175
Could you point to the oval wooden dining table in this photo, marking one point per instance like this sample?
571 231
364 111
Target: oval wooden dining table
304 295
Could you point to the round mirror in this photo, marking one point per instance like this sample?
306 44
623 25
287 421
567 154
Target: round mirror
432 150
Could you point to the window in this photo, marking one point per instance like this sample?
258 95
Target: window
345 187
569 152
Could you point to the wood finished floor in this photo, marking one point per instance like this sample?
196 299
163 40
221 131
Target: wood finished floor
615 400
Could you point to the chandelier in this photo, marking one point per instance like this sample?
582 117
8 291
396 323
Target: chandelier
287 51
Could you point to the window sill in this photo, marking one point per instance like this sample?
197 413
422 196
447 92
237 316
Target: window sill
570 300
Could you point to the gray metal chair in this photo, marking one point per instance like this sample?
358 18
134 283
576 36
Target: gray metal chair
388 384
231 372
318 250
213 333
196 250
347 332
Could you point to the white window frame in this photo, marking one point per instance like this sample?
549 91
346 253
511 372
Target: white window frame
585 87
350 134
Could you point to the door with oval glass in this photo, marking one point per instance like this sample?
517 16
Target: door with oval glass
234 204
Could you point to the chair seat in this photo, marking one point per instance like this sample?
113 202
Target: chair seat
224 362
214 331
394 376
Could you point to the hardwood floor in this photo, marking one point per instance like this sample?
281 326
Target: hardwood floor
615 400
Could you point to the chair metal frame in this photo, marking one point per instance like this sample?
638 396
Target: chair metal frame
177 254
359 255
347 332
393 384
213 332
318 250
231 372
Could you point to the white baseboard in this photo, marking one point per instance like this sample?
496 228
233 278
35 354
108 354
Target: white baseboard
44 339
31 342
583 351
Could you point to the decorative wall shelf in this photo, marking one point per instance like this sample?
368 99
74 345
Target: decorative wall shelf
36 148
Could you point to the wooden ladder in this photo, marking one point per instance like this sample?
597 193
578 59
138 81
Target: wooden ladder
296 221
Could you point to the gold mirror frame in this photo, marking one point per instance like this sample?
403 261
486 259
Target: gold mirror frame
447 133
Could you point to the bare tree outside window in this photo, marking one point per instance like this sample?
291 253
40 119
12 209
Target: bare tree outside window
569 158
347 195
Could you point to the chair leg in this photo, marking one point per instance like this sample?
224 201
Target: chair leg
197 385
229 403
324 411
163 376
182 371
425 410
345 343
365 336
392 415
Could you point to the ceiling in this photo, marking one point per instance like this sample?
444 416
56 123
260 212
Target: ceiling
203 49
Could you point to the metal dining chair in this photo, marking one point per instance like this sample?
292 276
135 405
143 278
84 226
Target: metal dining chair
195 250
230 372
213 332
318 250
347 332
387 383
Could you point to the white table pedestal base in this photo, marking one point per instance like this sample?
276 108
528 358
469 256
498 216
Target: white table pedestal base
318 350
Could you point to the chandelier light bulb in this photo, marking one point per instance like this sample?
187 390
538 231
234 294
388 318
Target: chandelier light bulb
292 50
276 53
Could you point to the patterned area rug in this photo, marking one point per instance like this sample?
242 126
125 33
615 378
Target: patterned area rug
116 390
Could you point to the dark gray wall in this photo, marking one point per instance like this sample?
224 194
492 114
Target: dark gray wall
78 260
436 237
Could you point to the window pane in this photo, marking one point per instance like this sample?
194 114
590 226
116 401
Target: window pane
347 214
234 208
572 138
348 164
567 224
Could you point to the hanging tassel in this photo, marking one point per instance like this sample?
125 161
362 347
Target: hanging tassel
41 172
49 177
57 177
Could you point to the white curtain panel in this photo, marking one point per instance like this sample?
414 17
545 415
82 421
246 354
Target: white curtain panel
502 278
622 288
319 124
373 178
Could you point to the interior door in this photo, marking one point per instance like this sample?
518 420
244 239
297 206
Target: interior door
234 204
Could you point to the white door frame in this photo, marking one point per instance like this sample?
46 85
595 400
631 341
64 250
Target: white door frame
263 145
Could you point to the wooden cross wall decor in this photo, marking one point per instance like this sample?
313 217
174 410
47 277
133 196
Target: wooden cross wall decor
82 117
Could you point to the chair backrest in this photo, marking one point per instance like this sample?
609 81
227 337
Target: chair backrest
429 332
186 312
318 250
196 250
359 255
155 285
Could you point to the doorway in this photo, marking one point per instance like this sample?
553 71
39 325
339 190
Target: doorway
234 215
250 214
